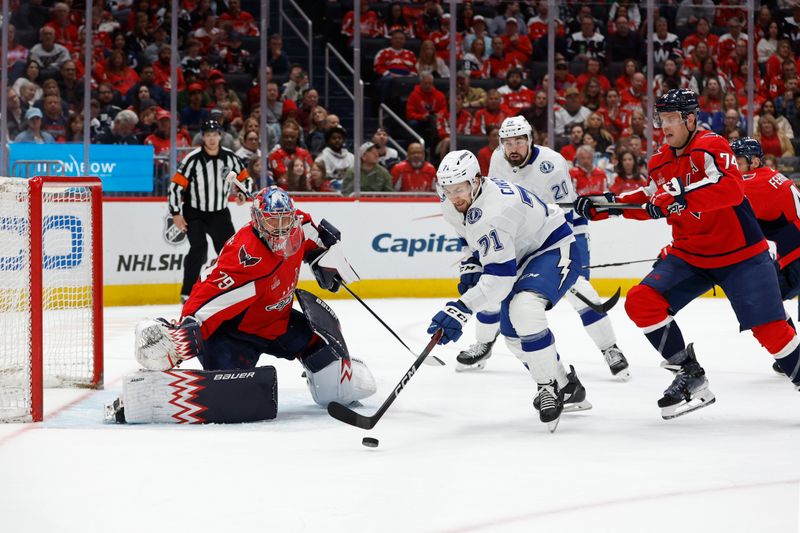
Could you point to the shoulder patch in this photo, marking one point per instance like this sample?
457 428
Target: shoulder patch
546 167
473 215
246 259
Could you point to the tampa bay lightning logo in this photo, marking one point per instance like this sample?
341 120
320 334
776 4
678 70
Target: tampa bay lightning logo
474 215
546 167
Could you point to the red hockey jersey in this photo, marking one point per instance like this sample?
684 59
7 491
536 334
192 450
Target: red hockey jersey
248 279
776 203
718 227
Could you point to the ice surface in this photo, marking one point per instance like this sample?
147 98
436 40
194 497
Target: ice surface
458 451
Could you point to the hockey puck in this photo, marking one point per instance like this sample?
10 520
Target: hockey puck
370 442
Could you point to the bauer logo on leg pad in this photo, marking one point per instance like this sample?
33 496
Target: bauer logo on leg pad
236 375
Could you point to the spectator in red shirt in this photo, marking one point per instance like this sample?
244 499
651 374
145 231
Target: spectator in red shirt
614 117
702 34
66 31
441 40
628 177
371 25
501 62
392 62
119 74
414 174
537 25
775 61
593 71
516 43
772 140
633 97
464 124
161 69
484 155
491 115
727 43
711 100
515 95
425 100
243 22
282 155
160 141
575 141
586 178
629 69
17 55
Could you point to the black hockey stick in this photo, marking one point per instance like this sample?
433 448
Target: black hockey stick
623 263
602 308
606 205
433 361
348 416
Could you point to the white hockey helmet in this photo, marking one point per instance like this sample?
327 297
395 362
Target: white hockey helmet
458 166
516 127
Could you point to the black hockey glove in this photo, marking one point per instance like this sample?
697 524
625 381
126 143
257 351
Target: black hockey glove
586 206
328 233
469 271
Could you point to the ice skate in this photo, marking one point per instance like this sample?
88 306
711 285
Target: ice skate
574 394
550 404
689 390
114 412
474 357
777 368
617 363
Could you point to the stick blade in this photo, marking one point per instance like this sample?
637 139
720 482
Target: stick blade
344 414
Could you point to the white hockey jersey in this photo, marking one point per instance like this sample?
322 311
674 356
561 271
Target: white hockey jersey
546 174
507 226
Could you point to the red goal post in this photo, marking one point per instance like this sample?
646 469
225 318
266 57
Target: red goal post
51 290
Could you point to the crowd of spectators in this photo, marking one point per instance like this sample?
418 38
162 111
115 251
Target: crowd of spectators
601 90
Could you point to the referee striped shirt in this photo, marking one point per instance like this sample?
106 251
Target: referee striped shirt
200 180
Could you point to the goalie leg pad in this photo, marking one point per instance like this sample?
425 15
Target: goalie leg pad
200 396
343 380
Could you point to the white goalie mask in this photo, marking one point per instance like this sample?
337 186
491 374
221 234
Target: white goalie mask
511 131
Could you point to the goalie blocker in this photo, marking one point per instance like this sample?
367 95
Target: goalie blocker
196 397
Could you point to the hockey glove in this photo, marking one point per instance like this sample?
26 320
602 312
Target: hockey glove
451 321
328 233
668 201
470 271
586 207
327 278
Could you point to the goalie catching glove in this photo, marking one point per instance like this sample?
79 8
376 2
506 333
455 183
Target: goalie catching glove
161 345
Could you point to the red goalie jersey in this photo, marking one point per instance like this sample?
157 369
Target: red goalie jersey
776 202
718 227
250 280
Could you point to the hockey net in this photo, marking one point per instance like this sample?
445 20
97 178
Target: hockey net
51 290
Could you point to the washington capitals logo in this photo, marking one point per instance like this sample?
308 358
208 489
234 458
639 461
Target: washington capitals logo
246 259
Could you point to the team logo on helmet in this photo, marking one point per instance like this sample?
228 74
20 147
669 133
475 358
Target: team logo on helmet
474 215
172 234
546 167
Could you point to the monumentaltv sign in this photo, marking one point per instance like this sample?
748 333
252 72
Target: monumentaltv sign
123 168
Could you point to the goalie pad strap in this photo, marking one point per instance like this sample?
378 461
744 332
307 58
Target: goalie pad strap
201 396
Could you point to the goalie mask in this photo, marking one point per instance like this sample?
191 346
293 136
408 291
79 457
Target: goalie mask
275 220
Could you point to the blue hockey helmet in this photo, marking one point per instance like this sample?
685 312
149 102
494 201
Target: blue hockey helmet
683 101
275 220
748 148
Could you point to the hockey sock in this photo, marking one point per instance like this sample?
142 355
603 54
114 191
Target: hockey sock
666 338
538 352
780 339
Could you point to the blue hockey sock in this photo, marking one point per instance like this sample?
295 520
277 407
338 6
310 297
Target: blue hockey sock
667 339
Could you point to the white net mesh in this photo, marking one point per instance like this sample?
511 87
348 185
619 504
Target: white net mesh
67 293
15 318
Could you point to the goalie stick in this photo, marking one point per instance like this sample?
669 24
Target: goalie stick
348 416
433 361
601 308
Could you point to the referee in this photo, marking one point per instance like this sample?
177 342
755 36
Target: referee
198 199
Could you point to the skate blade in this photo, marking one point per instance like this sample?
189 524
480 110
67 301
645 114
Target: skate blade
574 407
461 367
553 425
623 375
704 399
